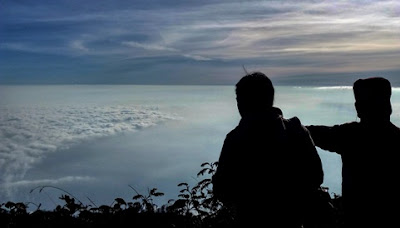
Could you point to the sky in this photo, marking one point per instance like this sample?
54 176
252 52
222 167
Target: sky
194 42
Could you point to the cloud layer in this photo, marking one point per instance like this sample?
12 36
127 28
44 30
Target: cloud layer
28 133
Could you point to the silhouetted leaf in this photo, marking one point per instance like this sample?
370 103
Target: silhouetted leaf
152 191
196 203
195 188
9 204
201 173
205 181
20 205
104 208
181 184
120 201
149 206
158 194
180 203
137 197
208 201
204 164
186 196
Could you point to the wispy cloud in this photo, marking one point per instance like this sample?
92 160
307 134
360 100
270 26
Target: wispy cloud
278 32
197 57
79 45
156 47
34 183
150 47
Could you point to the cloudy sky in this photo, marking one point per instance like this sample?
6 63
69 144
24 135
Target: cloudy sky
193 42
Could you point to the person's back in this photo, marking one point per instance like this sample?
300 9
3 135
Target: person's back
267 163
369 155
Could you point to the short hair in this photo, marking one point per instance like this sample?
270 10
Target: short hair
372 89
255 91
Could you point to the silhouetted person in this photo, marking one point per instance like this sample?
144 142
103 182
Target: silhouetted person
369 150
268 165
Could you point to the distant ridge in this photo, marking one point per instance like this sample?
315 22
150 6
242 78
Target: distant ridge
336 79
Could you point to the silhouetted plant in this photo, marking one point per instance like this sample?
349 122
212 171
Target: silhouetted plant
198 202
118 203
145 203
70 207
195 207
41 188
14 208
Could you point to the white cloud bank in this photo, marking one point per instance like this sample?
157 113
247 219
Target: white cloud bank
27 134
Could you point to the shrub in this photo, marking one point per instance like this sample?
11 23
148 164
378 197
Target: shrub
195 207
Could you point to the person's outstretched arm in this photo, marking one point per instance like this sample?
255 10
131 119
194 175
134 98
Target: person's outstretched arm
327 137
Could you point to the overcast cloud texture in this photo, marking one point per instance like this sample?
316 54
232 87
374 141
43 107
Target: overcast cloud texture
193 42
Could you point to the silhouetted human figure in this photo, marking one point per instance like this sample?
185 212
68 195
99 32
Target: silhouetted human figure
268 165
369 151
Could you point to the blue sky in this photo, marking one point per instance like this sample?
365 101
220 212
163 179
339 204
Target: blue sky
193 42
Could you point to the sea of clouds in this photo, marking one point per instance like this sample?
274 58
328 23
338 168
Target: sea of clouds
95 140
29 133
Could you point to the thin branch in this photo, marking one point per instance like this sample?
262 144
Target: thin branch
91 201
49 186
134 189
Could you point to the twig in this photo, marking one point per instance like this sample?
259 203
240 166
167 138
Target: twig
49 186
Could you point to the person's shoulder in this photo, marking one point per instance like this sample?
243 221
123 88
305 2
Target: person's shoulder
293 121
233 133
294 124
349 126
395 128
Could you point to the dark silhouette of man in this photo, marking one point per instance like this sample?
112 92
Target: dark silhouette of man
268 164
369 151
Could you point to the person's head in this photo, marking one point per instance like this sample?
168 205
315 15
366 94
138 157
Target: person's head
254 93
372 97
